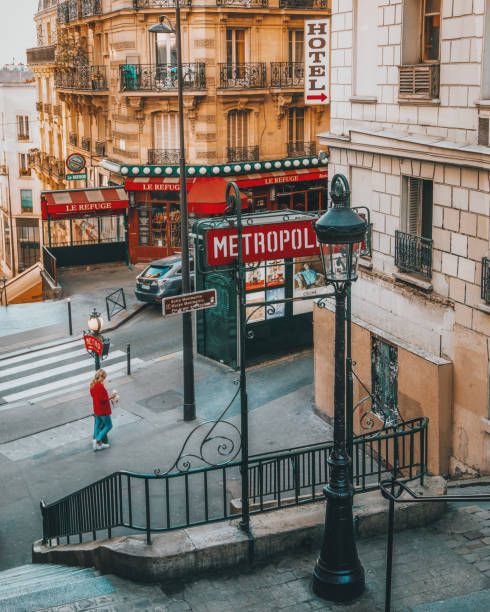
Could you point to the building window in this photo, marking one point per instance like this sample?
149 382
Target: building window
26 200
237 129
431 28
296 126
366 48
384 381
417 195
24 169
235 46
296 46
22 127
165 49
165 131
28 245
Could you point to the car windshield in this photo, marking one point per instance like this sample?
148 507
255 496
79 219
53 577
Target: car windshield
155 272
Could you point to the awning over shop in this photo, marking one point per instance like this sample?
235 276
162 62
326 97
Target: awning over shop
208 196
82 202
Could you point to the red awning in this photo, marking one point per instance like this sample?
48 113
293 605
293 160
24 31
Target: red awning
81 202
208 196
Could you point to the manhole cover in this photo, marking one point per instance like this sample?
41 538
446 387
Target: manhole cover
168 400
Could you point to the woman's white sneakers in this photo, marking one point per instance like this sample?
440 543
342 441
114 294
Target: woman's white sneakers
98 447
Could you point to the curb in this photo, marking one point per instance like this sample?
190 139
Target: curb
136 309
190 551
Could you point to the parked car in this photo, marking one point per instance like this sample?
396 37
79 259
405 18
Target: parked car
161 278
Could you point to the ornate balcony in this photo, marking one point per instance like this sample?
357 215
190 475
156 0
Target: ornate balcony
41 55
419 82
83 78
240 3
160 157
73 139
47 108
99 148
57 110
242 154
242 76
46 4
300 148
74 12
39 107
159 3
63 13
287 74
152 77
303 4
413 253
85 144
58 169
90 8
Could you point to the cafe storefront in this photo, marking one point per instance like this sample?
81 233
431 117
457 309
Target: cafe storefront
85 226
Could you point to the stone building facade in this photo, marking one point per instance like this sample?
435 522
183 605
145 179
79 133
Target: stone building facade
409 128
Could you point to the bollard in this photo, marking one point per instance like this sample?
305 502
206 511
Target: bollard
70 322
128 357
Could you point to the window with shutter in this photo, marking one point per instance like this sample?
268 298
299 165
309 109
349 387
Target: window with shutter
237 129
414 206
483 131
165 131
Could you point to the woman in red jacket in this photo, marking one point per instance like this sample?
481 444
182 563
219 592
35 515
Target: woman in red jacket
102 410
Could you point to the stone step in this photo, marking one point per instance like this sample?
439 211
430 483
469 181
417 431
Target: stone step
24 572
33 581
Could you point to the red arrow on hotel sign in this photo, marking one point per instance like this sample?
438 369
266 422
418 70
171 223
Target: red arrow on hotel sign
321 97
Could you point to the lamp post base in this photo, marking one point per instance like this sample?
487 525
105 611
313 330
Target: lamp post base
342 586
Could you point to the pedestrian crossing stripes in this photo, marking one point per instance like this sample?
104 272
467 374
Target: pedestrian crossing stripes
53 371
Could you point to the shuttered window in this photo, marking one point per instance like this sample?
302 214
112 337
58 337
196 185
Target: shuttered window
414 206
237 129
22 127
165 131
483 131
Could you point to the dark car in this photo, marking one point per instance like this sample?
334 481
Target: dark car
161 278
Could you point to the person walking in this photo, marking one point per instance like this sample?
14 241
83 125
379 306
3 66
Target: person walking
102 410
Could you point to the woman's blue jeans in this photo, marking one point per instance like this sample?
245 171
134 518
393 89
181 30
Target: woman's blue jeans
103 424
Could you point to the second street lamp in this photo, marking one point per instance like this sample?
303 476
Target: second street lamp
165 27
338 574
95 324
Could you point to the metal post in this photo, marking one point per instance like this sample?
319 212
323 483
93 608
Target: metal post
338 574
128 357
188 358
126 240
349 393
70 322
96 360
389 552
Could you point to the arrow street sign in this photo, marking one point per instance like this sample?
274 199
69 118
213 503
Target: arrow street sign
322 97
317 61
187 302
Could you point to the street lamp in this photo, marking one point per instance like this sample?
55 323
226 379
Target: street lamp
338 573
165 27
95 324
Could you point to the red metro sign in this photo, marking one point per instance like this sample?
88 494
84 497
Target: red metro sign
262 242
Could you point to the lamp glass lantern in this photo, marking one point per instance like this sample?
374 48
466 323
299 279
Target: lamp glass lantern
95 322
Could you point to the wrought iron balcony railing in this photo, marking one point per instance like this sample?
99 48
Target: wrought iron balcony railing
47 108
303 4
57 110
301 148
413 253
40 55
73 140
39 107
241 154
63 13
90 8
153 77
420 81
85 144
242 76
99 148
240 3
287 74
74 12
485 280
157 157
84 78
159 3
46 4
58 168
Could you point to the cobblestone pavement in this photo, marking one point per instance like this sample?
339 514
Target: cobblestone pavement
443 567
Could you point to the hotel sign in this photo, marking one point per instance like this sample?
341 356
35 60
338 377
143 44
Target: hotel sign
262 242
317 61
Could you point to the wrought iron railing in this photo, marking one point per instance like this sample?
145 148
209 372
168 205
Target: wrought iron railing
242 76
157 157
413 253
115 302
303 4
419 81
57 110
39 107
91 8
153 77
91 78
63 12
58 169
99 148
240 154
73 139
49 264
85 144
47 108
485 280
301 148
74 12
159 3
153 503
287 74
241 3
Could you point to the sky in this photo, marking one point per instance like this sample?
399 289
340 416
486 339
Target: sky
17 29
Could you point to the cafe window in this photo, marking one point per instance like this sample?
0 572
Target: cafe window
84 230
26 200
159 225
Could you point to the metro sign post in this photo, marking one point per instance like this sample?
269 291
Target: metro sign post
317 61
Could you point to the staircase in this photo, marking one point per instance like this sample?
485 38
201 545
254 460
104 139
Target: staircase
40 586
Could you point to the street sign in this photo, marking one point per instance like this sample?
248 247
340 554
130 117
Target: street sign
262 242
75 162
317 61
93 343
76 177
187 302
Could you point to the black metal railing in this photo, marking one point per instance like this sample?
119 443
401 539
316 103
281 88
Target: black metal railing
49 264
137 4
301 148
91 8
74 12
73 139
287 74
153 77
241 3
153 503
63 12
115 302
413 253
241 154
85 144
157 157
99 148
85 78
242 76
303 4
485 280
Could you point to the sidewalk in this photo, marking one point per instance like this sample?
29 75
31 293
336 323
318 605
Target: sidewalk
26 325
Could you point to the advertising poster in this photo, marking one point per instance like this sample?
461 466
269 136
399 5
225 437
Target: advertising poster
275 274
308 281
255 298
279 309
255 276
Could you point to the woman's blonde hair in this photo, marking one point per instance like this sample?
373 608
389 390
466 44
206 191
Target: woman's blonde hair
99 377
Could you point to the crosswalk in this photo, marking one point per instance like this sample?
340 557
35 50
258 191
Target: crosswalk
38 375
